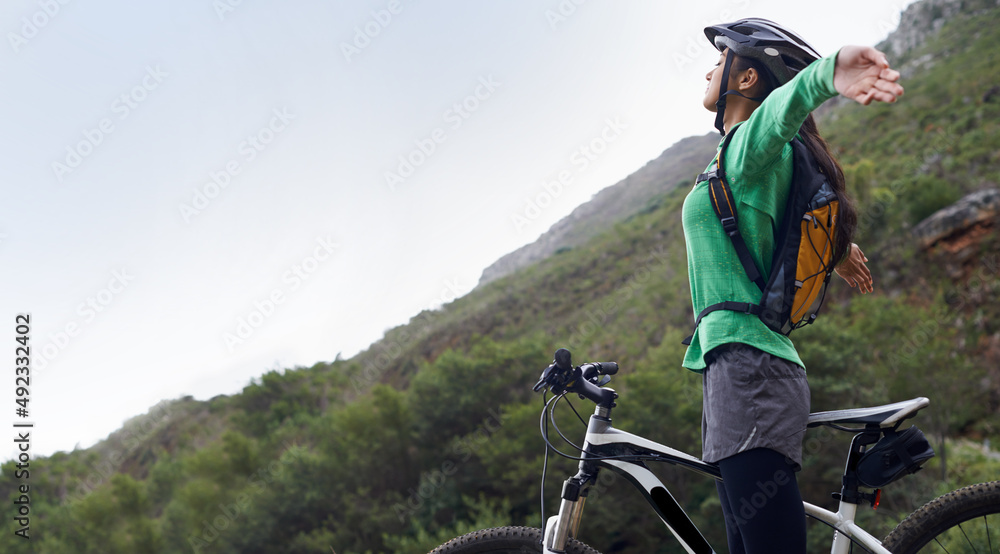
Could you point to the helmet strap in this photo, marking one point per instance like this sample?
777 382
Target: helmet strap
720 104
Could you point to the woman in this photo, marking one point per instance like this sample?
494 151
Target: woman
756 398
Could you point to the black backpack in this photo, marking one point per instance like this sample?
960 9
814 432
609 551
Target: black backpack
803 256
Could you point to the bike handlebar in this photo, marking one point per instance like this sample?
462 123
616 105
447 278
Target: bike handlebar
599 368
562 376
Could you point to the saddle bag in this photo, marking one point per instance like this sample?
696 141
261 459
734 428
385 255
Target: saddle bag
894 456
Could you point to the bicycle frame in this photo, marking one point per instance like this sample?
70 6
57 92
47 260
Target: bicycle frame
603 440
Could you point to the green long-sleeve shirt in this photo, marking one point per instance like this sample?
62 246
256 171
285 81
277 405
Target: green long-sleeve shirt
758 164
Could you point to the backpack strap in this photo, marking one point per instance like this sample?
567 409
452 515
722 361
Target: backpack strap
725 209
744 307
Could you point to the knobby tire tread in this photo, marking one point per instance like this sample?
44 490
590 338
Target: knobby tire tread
942 513
503 539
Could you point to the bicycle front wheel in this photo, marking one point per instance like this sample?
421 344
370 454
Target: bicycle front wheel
505 540
965 520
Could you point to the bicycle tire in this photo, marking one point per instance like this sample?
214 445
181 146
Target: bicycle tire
939 523
505 540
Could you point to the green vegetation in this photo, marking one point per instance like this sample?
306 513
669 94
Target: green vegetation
433 431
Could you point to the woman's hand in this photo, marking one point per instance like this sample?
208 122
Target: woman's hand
854 271
862 74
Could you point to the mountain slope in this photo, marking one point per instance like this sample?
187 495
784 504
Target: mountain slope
676 166
433 431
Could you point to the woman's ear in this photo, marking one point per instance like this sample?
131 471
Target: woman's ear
749 79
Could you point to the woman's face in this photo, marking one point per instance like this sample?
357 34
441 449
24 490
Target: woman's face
713 77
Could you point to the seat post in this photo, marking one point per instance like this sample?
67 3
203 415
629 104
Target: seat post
849 483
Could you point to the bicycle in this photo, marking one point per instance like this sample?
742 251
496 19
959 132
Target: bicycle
950 521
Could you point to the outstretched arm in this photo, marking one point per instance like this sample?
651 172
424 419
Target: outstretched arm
863 74
854 271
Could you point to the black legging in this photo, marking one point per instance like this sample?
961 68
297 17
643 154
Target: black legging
761 502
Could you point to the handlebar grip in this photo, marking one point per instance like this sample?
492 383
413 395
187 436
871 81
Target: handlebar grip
563 359
599 368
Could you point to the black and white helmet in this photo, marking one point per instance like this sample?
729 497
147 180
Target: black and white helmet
782 51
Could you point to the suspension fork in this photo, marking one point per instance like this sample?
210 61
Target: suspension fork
560 528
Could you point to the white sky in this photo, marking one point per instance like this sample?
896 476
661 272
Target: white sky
117 114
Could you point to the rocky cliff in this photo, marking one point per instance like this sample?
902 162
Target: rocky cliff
922 19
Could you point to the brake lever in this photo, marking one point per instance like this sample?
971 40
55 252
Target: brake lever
561 364
543 381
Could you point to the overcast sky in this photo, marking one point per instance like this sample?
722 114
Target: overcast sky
199 191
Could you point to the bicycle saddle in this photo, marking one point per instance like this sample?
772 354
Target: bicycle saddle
884 416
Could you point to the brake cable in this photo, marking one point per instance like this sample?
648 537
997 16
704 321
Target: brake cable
591 456
544 428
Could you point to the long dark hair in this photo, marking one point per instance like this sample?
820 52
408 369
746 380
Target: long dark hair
847 218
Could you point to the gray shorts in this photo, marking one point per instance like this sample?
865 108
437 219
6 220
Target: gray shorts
752 400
